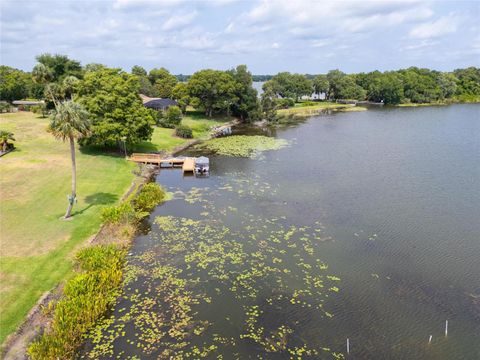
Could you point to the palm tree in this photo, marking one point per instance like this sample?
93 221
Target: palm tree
4 137
69 122
41 74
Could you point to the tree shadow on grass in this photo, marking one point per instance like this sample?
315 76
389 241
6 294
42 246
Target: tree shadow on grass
94 150
99 198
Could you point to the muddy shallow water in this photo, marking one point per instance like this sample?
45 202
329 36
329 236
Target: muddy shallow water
365 227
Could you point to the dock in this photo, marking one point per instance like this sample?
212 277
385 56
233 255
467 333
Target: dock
187 163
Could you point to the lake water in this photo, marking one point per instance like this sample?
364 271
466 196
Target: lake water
366 227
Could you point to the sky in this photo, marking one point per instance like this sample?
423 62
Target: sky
268 36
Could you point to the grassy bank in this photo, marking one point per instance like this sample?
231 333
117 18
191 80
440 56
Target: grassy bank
36 246
302 111
95 288
165 139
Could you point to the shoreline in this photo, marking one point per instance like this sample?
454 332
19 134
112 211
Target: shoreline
36 322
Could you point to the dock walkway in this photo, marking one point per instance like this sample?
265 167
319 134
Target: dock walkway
187 163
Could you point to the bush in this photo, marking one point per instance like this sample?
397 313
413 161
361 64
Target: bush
308 103
87 297
118 214
170 118
285 103
184 131
5 107
150 196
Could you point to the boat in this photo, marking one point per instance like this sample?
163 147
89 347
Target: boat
202 165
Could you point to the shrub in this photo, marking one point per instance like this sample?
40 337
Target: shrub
118 214
150 196
171 118
308 103
285 103
183 131
5 107
87 297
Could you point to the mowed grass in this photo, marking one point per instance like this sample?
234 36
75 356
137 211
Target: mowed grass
165 139
35 179
300 108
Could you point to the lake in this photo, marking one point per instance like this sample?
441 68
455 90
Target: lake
366 227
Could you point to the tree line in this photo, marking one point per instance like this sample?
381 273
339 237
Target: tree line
412 85
111 95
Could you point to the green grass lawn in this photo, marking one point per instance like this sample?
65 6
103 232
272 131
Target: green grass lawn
165 139
302 108
36 246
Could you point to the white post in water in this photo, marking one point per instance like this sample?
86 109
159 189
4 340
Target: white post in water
348 346
430 340
446 328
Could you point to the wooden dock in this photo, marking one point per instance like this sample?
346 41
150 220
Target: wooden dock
187 163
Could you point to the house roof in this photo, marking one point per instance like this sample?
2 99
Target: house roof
27 102
160 103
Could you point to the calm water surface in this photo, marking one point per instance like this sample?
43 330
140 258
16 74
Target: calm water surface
388 198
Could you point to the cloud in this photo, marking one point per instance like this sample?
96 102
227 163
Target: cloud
267 35
179 21
442 26
128 4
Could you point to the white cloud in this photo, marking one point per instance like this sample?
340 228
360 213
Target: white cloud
230 27
123 4
442 26
179 21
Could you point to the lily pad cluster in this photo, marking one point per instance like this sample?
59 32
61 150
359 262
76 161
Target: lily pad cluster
243 145
205 289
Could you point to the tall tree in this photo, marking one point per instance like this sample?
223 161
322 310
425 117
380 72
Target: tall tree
70 122
68 85
14 84
139 71
320 85
268 105
347 88
334 77
247 106
287 85
111 97
386 87
163 82
213 90
60 66
180 94
42 74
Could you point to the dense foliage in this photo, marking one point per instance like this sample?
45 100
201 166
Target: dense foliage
212 90
413 85
87 296
14 84
184 131
130 211
150 196
117 113
247 106
287 85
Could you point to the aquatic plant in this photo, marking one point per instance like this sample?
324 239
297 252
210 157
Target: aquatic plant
150 196
243 145
86 297
164 294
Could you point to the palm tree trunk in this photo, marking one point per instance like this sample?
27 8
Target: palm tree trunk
74 179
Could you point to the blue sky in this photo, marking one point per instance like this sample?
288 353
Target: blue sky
269 36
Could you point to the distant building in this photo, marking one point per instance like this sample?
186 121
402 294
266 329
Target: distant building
157 103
